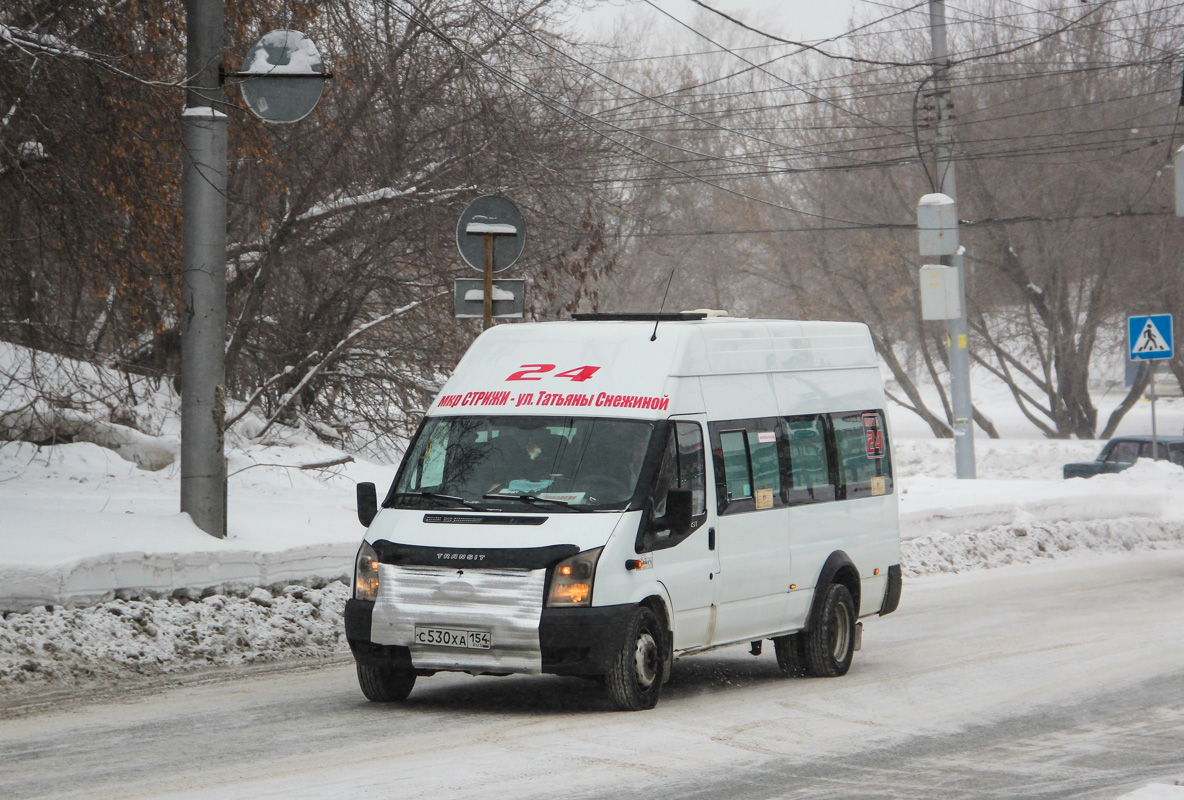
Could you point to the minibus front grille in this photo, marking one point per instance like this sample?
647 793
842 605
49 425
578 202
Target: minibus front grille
505 604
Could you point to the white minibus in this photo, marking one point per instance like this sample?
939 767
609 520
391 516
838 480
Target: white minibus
597 497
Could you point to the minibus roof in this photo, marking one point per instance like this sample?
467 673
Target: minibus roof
618 367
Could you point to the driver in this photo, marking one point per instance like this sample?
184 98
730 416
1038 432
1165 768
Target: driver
525 463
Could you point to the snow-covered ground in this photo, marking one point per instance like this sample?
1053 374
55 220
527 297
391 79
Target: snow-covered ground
101 577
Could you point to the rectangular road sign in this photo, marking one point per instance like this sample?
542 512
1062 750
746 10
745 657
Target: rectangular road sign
1150 337
509 298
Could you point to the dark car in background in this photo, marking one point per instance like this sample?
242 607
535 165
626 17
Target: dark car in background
1122 451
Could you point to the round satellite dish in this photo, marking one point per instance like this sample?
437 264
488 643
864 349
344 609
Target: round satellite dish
283 77
494 216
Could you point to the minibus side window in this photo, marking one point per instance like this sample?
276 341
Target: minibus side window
863 458
692 466
808 474
766 468
747 465
683 467
737 477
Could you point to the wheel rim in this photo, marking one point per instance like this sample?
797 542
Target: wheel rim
645 660
840 633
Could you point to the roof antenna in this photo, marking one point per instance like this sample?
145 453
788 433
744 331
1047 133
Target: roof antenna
662 308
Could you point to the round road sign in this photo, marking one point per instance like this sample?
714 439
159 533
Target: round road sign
494 216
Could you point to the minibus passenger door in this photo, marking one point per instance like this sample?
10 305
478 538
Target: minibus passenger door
686 561
754 542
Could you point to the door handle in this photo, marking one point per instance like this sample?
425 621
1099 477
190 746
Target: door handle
711 538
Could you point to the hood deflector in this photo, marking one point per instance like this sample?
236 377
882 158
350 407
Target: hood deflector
406 555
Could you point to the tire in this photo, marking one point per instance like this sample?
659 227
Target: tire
634 681
791 655
830 639
385 684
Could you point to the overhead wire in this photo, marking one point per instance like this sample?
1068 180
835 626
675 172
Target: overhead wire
657 101
584 119
672 112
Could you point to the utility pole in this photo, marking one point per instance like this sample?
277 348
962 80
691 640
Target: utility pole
203 323
956 329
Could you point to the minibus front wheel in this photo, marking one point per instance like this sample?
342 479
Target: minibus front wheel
385 684
634 679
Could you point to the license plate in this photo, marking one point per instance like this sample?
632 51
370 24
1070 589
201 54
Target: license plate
453 637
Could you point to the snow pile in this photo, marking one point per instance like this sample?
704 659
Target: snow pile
954 526
995 459
1035 541
50 399
80 523
136 638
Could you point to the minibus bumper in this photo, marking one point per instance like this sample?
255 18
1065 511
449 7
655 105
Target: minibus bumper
573 641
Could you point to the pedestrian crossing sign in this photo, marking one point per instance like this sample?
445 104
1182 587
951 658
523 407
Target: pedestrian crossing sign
1150 337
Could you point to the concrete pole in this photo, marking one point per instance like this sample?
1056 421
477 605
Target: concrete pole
203 323
956 329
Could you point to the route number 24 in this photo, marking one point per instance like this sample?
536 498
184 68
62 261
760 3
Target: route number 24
535 372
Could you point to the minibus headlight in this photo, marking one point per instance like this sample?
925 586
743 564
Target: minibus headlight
571 583
366 573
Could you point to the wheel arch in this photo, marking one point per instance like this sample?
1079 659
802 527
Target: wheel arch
839 568
659 602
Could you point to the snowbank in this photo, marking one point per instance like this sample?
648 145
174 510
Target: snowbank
133 638
79 523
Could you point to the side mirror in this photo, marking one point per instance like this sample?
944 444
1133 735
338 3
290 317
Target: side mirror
367 504
678 511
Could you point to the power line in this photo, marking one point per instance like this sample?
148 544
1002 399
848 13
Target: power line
586 120
908 226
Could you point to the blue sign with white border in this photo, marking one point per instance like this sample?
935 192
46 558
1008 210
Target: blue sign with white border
1150 337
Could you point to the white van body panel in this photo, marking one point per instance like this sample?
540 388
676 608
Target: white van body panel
758 580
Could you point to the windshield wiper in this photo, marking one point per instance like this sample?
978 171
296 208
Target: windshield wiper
534 499
440 497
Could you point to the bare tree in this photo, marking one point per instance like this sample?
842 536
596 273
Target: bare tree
341 251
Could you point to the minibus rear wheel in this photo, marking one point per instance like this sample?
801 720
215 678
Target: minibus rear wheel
634 680
830 639
385 684
791 655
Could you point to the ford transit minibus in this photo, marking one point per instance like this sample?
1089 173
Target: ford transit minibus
600 496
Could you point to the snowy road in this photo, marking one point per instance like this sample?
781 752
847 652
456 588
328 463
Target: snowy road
1060 680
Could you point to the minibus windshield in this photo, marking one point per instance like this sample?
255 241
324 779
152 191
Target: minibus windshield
551 464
